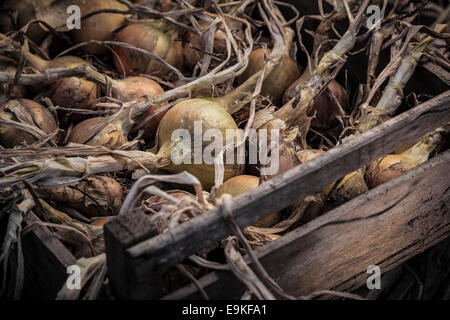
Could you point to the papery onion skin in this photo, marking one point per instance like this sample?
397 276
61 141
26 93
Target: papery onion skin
99 26
93 197
388 168
7 65
110 136
71 92
212 115
37 115
74 93
278 80
193 46
239 185
157 37
325 106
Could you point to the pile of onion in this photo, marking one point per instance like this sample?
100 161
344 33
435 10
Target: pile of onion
156 36
114 135
326 105
99 26
93 197
7 65
26 112
283 75
239 185
214 113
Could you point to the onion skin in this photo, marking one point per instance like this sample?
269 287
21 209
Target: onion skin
132 88
157 37
325 106
388 168
72 92
8 65
213 114
278 80
351 186
93 197
239 185
100 26
84 133
193 46
35 114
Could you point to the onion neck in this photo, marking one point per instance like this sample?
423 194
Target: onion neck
420 152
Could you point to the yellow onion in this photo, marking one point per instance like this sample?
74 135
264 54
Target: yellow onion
158 37
27 112
160 5
99 26
7 65
93 197
276 83
132 88
393 165
213 113
193 46
325 107
97 132
71 92
239 185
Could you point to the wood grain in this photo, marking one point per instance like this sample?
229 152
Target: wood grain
332 252
46 261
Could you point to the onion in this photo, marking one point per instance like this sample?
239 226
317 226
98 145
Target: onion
100 222
193 46
276 83
351 186
325 106
69 92
99 26
132 88
26 112
393 165
114 134
94 196
158 37
96 132
241 184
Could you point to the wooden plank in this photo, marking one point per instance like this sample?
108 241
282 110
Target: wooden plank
332 252
120 233
155 255
46 261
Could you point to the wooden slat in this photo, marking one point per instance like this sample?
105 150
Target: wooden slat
155 255
46 261
329 253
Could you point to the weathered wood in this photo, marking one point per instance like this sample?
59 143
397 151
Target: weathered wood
154 255
46 260
334 250
120 233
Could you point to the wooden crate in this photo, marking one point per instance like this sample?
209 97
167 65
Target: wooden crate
332 251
